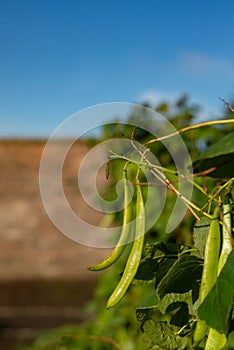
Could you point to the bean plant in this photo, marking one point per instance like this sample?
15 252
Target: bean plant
193 278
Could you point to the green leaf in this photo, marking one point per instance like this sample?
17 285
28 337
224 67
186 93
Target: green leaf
216 307
182 303
175 298
163 268
144 313
147 270
155 249
182 276
219 156
200 233
159 258
181 317
161 334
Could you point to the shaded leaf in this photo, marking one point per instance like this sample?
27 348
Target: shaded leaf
155 249
216 307
169 248
181 276
144 313
200 233
169 254
181 317
159 258
163 267
147 270
219 156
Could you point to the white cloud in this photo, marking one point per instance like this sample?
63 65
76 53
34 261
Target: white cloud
203 64
154 97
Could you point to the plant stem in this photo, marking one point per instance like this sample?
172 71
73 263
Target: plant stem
192 127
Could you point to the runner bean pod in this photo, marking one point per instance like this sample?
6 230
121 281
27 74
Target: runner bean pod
125 232
210 269
134 256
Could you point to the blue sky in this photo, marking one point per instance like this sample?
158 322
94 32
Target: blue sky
58 57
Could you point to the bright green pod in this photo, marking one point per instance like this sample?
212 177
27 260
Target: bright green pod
215 339
134 256
210 270
124 235
226 237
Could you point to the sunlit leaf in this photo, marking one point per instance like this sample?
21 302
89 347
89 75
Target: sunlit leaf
216 307
161 334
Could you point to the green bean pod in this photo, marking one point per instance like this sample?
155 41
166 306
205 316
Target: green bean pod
124 235
210 269
134 256
215 339
226 238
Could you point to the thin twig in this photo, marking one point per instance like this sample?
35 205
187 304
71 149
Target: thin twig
191 127
162 178
182 177
227 104
93 338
